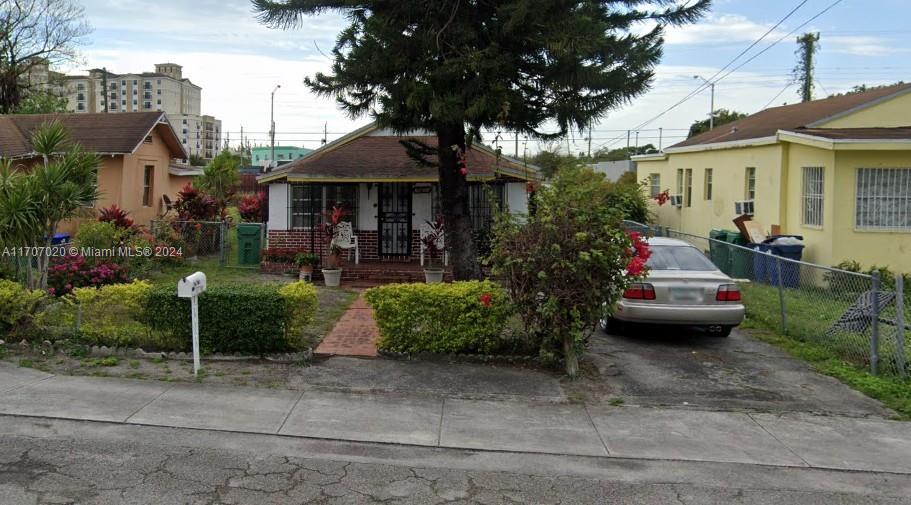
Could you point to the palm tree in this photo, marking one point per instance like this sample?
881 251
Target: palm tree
36 200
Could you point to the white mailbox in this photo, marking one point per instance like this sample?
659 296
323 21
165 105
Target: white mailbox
190 287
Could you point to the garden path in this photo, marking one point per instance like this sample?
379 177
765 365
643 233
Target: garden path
355 334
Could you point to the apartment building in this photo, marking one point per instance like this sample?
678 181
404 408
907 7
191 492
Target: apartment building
164 90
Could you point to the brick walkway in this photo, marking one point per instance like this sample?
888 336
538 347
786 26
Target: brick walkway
354 334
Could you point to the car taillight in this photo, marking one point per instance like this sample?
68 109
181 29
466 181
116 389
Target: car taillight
639 291
728 293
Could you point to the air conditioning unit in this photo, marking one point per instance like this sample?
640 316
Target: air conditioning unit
744 207
676 200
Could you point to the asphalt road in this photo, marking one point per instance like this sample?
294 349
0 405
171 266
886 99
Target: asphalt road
660 366
55 461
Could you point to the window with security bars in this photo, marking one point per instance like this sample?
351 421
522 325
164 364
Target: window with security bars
707 190
812 195
688 196
883 199
309 201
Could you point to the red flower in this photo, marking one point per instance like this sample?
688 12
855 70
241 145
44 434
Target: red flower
463 171
635 266
485 299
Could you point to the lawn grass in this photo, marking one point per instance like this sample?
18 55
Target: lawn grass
215 273
845 356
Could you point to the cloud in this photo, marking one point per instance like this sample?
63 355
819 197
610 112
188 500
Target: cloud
720 29
861 45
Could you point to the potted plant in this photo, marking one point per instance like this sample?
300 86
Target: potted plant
431 241
305 261
332 272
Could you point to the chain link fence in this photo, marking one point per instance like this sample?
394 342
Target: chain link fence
227 242
860 318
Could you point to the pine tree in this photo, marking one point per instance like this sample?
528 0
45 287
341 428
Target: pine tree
455 67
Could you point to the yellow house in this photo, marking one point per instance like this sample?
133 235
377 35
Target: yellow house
136 152
836 171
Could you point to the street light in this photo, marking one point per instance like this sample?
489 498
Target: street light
272 130
712 104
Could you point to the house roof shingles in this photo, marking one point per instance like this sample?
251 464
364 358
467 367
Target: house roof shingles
768 122
384 157
97 133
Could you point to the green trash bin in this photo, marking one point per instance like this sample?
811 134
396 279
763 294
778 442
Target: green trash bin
719 253
249 243
741 259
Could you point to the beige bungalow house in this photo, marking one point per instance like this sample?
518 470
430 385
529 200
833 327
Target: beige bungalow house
386 194
136 151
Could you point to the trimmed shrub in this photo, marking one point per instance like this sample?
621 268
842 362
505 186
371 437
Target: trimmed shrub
17 305
110 315
461 317
98 235
301 303
244 318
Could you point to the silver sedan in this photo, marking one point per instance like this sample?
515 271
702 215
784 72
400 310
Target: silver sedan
683 288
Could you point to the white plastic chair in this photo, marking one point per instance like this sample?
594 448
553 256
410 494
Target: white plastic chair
426 230
346 239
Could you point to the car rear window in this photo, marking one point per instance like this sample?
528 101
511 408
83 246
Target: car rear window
672 257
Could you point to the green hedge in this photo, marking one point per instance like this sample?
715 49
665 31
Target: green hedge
440 318
17 305
244 318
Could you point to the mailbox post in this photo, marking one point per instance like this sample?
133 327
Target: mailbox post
190 287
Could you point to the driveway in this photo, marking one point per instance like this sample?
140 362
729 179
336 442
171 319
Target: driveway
672 367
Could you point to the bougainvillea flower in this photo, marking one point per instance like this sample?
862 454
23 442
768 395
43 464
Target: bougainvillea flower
485 299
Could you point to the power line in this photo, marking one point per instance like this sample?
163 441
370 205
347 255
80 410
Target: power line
711 79
786 86
748 60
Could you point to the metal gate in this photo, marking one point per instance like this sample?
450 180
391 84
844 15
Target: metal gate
394 219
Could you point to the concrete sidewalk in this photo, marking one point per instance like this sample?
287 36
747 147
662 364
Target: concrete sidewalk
791 440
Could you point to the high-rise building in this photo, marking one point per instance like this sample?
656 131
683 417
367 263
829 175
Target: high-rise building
165 90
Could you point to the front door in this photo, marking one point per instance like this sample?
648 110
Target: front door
395 219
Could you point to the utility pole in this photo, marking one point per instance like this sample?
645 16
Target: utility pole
637 139
589 139
712 101
517 145
325 132
627 141
272 120
660 135
807 45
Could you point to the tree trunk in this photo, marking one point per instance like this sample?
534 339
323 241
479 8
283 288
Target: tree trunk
569 354
10 95
454 199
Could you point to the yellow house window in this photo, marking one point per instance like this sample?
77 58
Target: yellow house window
147 182
654 184
707 191
750 183
812 194
688 196
883 199
679 182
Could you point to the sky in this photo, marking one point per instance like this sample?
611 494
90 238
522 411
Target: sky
238 62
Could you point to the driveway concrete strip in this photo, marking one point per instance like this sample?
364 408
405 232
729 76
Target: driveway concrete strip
729 437
377 418
519 427
84 398
12 376
844 443
219 408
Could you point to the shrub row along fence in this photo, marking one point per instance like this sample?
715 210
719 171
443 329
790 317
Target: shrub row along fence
863 319
215 239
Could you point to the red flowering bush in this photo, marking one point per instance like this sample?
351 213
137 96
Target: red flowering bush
662 197
251 207
116 216
638 255
567 261
68 272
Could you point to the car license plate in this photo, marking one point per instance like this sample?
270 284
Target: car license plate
686 294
